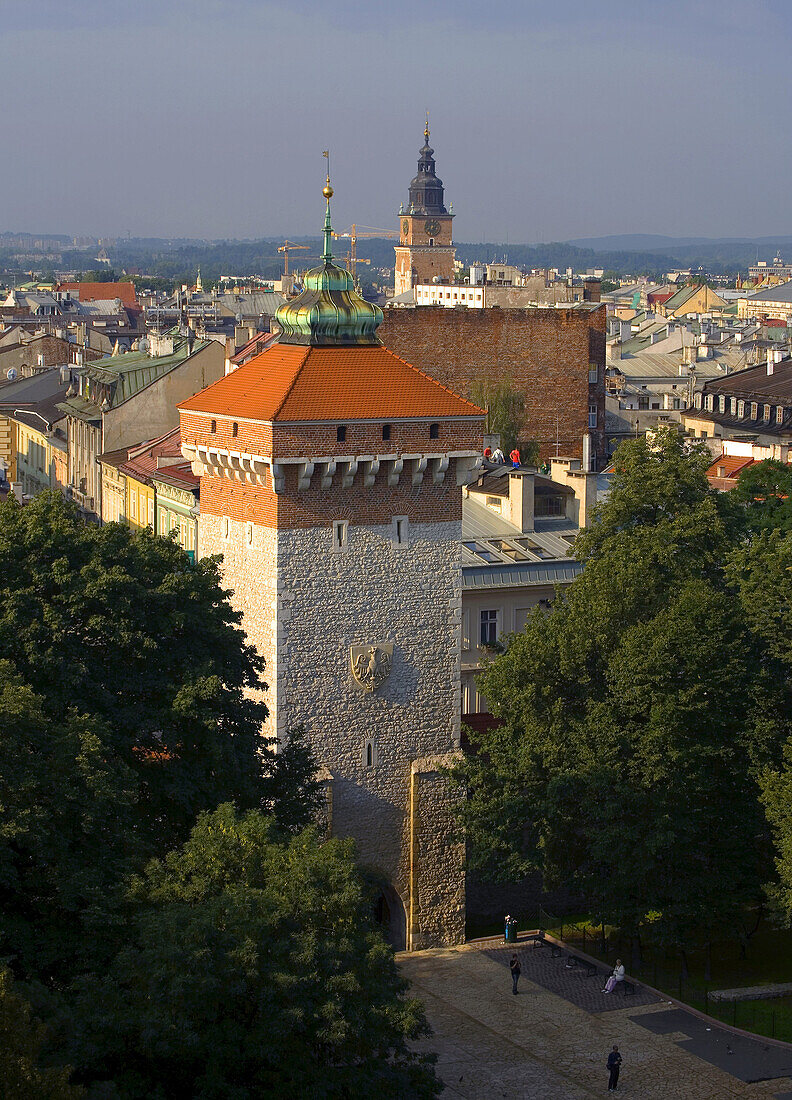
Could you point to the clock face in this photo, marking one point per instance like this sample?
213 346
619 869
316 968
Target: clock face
405 227
432 228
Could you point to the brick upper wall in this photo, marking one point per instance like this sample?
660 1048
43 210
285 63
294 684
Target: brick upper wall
317 507
318 439
543 352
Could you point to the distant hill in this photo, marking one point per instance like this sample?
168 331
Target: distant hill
652 242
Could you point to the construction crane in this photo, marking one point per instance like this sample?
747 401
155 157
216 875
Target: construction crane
348 258
356 232
286 248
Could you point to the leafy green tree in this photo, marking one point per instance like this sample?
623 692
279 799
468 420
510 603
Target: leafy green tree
67 835
123 627
138 720
762 573
21 1038
505 409
252 969
625 715
765 490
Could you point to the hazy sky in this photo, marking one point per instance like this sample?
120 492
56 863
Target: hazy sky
207 118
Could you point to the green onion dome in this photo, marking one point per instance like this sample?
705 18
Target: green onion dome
329 312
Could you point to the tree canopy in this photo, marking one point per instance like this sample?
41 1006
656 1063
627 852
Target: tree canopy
626 760
251 969
765 489
125 708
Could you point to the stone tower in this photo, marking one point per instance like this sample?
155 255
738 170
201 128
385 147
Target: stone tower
425 252
330 483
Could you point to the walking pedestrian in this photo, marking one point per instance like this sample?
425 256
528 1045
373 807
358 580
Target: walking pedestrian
614 1064
516 970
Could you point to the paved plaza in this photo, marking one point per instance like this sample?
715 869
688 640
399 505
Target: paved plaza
552 1040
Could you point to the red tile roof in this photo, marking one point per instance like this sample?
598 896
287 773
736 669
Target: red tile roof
732 466
102 292
289 383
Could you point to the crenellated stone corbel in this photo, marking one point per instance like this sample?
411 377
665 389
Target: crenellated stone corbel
304 474
395 471
419 468
371 467
467 468
328 472
278 478
439 471
350 469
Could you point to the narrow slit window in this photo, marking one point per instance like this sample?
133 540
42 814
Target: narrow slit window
386 431
341 433
340 527
235 429
434 431
213 427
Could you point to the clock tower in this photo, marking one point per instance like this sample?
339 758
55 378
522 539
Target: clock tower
425 251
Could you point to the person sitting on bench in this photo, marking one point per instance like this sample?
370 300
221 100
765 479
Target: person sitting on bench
616 976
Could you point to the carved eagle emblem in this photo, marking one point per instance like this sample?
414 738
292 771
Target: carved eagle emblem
371 664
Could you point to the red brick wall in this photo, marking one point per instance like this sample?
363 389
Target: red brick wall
317 507
543 352
320 439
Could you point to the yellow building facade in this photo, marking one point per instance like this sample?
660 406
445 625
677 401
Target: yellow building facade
139 503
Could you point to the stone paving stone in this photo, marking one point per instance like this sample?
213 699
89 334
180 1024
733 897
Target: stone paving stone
748 1059
542 1045
540 967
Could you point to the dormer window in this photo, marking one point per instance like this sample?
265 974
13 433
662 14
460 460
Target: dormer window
434 431
779 414
341 433
754 410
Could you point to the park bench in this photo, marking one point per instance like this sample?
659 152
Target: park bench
574 962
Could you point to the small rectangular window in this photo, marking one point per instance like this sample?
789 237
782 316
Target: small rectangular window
489 627
767 413
213 426
340 535
754 410
434 431
386 431
592 417
593 375
400 530
341 433
235 429
779 414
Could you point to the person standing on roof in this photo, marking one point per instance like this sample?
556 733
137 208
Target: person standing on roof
497 456
515 458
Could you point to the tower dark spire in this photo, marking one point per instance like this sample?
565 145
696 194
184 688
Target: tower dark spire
426 190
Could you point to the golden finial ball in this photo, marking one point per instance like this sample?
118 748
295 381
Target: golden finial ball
327 191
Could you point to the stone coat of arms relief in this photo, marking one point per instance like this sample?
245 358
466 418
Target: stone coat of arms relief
371 664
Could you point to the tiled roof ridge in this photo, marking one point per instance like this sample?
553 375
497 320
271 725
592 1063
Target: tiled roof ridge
434 381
